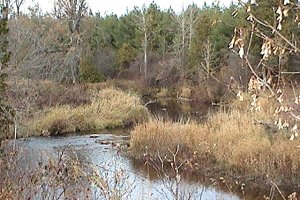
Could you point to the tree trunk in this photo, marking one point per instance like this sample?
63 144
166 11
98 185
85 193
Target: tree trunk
145 54
182 42
15 134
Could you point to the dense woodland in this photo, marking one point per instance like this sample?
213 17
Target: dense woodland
159 46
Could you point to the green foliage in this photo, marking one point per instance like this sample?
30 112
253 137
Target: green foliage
159 26
216 25
167 32
125 34
175 41
125 55
89 73
154 16
267 11
106 32
264 10
209 27
112 31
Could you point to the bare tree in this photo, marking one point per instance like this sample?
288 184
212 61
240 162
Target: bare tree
4 5
73 11
208 57
182 34
145 40
186 22
18 4
141 21
193 16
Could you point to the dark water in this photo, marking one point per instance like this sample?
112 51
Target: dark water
104 153
176 110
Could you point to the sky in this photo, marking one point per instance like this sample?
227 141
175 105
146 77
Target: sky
120 7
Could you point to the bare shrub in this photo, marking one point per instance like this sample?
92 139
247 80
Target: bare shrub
104 60
60 177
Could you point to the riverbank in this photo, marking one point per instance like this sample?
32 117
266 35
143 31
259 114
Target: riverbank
47 107
233 142
88 169
109 108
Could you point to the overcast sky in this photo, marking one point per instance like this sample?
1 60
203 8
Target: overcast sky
119 7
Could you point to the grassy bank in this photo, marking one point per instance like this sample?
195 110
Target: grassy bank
108 108
232 142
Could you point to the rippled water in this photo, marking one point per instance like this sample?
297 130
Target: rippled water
105 156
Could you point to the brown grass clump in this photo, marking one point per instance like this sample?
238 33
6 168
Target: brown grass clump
230 139
235 139
160 137
185 92
164 92
109 108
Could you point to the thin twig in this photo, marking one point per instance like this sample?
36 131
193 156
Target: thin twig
277 188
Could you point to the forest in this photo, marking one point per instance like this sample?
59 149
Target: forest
73 70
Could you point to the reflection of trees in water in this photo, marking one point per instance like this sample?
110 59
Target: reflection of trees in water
66 175
175 110
244 189
175 180
71 173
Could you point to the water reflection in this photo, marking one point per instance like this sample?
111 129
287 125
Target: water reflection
110 162
176 110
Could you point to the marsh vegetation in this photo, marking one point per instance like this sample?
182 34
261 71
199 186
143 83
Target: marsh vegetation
210 92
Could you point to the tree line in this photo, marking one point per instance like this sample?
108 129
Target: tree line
146 42
73 44
158 47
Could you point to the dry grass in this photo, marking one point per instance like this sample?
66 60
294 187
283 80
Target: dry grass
162 136
185 92
109 108
229 139
164 92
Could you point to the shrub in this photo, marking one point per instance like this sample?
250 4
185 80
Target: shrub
51 94
158 137
88 72
125 55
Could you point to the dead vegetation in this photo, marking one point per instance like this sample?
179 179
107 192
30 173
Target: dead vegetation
109 108
237 141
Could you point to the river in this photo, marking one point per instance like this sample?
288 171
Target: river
104 153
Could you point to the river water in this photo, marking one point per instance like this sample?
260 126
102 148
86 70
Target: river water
104 153
107 153
177 110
